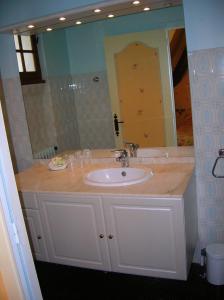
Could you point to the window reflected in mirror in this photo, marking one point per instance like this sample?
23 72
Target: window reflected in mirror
28 59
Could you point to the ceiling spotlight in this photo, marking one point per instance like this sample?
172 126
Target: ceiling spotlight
110 16
30 26
146 8
97 10
78 22
49 29
136 2
62 19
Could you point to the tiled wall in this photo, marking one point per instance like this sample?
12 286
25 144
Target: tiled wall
207 89
39 114
6 120
71 112
64 110
21 151
93 110
51 114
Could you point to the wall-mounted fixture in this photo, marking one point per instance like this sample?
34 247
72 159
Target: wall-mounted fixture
136 2
96 79
221 156
116 125
97 10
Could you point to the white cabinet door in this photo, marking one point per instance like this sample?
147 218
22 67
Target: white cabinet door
146 236
75 230
35 233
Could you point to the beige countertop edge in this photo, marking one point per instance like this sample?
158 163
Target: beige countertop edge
168 181
101 194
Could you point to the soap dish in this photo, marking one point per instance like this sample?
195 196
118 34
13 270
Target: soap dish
52 167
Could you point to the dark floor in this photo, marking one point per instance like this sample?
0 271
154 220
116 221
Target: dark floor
64 282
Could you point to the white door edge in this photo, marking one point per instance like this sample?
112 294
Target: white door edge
13 215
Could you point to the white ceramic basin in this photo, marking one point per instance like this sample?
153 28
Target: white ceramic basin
117 176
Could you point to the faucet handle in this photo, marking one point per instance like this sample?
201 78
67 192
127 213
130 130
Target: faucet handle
121 155
128 143
132 148
119 152
132 145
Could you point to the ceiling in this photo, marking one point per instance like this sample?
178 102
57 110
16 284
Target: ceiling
87 14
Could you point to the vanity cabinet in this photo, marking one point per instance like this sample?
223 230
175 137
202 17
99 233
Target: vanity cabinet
120 233
35 234
75 229
147 236
34 227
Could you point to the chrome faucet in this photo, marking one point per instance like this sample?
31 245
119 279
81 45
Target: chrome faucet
132 148
123 157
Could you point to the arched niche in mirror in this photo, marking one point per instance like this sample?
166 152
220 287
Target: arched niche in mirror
146 89
140 95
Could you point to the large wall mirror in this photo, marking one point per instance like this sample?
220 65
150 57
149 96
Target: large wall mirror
111 81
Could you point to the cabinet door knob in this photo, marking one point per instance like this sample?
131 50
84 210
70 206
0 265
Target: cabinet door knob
39 237
101 236
110 236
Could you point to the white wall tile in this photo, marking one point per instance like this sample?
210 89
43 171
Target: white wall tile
17 123
206 69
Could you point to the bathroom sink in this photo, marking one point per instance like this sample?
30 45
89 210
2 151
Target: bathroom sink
117 176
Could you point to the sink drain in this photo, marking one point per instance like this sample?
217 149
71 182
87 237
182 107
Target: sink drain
123 173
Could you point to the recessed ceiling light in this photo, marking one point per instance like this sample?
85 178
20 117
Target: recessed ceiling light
30 26
62 19
136 2
110 16
78 22
146 8
97 10
49 29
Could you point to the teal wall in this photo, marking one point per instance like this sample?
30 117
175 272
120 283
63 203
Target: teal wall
54 45
8 61
15 12
18 11
204 21
86 42
85 47
85 52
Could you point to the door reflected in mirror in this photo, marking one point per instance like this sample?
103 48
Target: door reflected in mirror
75 107
140 95
140 84
181 87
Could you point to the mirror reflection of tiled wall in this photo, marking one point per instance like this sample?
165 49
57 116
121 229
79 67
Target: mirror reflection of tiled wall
15 121
71 112
93 110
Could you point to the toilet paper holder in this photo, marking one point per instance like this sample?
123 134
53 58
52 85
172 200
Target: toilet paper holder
221 155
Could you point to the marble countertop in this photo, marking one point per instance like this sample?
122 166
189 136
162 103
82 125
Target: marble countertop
169 179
